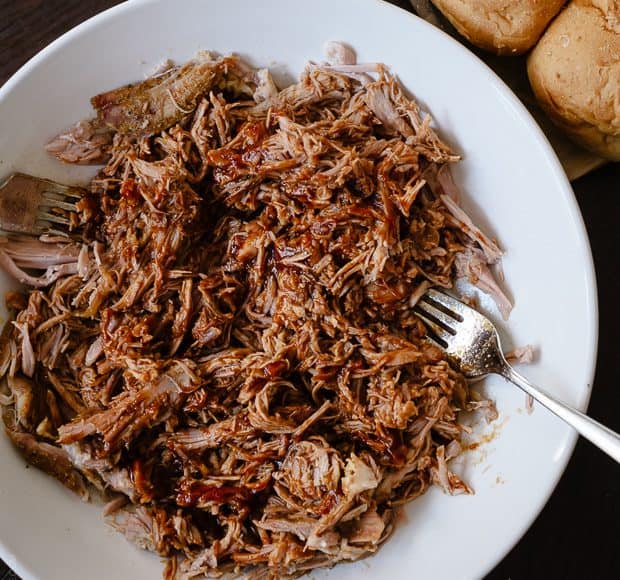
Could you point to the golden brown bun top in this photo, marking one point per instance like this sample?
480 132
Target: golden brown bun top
501 26
575 73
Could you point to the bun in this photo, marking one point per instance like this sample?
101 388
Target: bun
501 26
575 74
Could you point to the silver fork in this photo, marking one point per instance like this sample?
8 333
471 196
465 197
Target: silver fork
32 205
471 341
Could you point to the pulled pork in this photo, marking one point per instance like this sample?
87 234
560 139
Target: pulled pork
225 348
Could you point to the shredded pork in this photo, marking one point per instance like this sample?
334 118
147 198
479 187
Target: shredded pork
225 348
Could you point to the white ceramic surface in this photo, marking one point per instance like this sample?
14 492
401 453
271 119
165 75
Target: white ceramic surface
513 183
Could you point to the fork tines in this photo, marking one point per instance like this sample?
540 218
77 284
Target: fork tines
31 205
440 313
56 199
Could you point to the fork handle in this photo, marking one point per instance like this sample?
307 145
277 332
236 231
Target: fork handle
603 437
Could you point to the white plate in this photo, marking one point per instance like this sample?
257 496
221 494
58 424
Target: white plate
514 185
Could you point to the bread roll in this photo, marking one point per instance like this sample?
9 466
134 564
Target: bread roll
501 26
575 74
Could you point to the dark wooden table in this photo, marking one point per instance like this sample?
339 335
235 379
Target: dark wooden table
577 536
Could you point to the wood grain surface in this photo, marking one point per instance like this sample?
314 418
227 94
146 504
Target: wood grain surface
577 536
